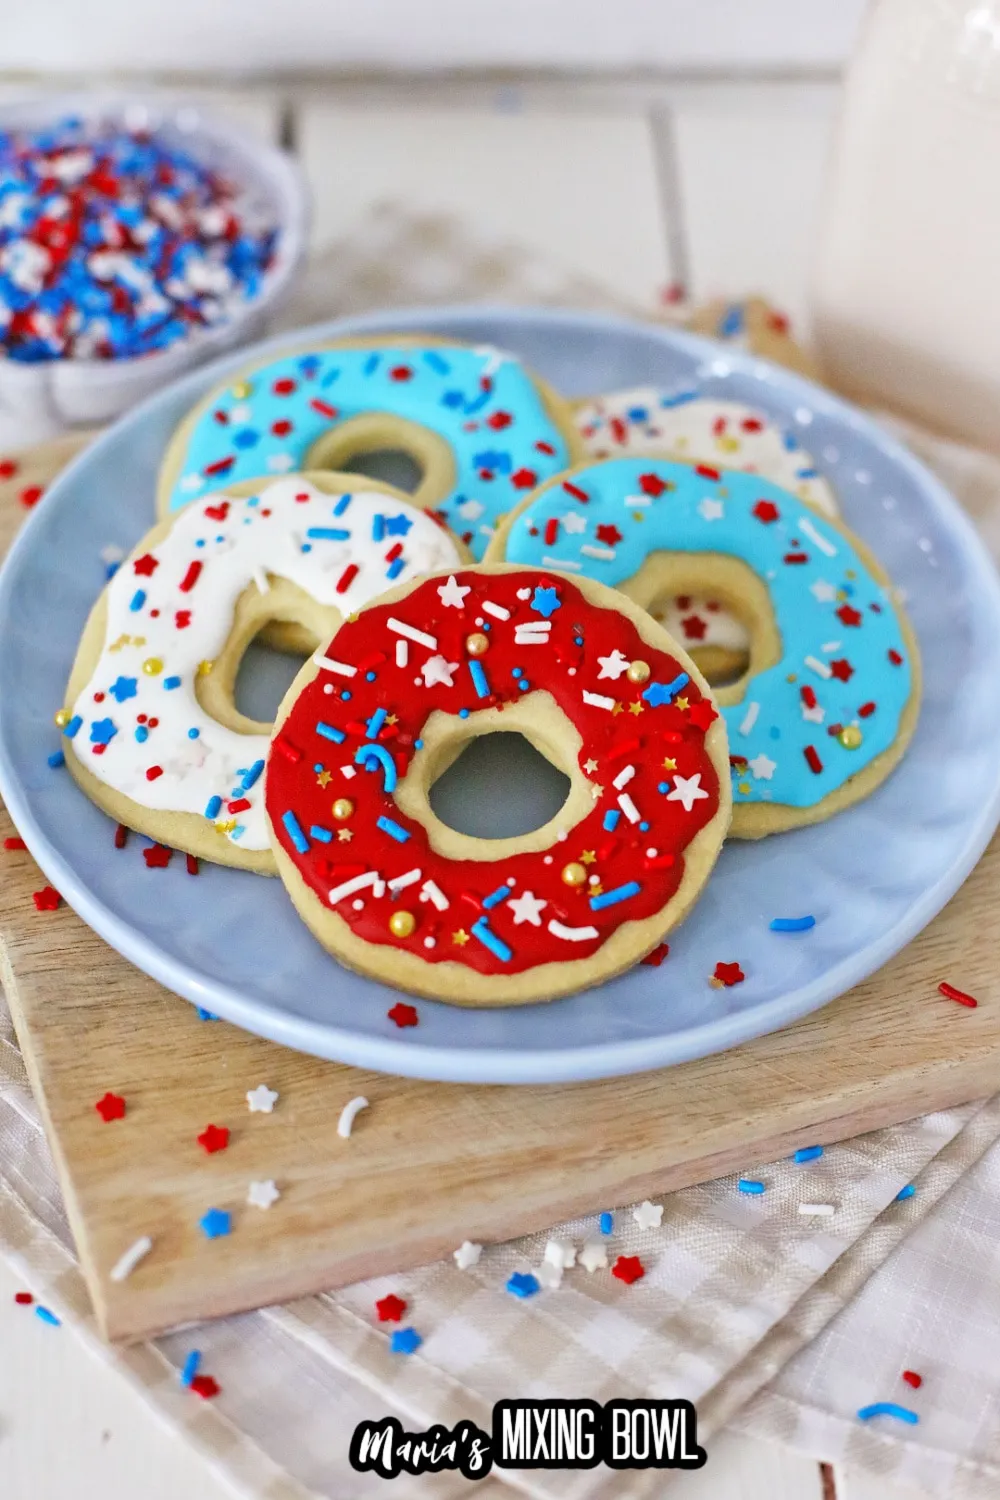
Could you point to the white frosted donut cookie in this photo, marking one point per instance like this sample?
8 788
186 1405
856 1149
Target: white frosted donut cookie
699 429
152 733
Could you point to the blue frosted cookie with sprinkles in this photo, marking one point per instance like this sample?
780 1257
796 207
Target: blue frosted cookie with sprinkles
480 428
829 700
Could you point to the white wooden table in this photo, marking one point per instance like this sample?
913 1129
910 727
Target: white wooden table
637 184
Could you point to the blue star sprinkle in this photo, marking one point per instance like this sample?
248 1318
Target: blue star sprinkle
215 1224
102 731
405 1341
124 688
397 525
523 1284
545 602
665 692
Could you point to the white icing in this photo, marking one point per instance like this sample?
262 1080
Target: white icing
235 550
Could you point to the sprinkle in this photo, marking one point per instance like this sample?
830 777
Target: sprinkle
348 1114
629 808
263 1194
190 1369
213 807
523 1284
327 664
56 759
576 492
572 934
214 1138
330 732
191 577
137 600
375 723
612 898
597 700
611 818
818 1210
400 882
47 899
792 924
819 667
906 1192
495 897
816 537
664 692
124 1267
479 679
355 884
808 1153
602 554
727 974
419 636
260 579
433 893
467 1255
496 610
606 1222
812 759
405 1341
215 1224
628 1268
14 843
888 1409
294 831
393 829
913 1379
390 1309
659 953
23 1299
402 653
327 534
73 727
402 1014
749 718
47 1316
205 1387
252 775
750 1185
624 777
497 946
951 993
344 500
261 1100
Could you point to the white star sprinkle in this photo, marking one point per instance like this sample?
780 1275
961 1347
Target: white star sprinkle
191 484
111 553
240 414
549 1275
561 1253
762 767
573 523
452 594
467 1255
687 790
824 592
261 1099
527 908
594 1256
814 715
711 510
263 1194
648 1215
436 669
613 666
281 463
471 510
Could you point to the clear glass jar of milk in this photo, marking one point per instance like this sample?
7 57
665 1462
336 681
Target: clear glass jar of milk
907 286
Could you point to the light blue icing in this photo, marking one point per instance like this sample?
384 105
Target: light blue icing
480 401
697 513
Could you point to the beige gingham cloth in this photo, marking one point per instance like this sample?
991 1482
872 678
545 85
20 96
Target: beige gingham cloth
761 1316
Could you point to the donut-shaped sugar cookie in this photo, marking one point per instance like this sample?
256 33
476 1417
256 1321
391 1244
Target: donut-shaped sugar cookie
481 428
152 733
597 686
698 429
831 694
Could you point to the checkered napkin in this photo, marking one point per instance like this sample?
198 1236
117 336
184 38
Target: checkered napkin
764 1317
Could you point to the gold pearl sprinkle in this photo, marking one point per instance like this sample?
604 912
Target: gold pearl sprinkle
402 923
242 389
574 873
153 666
477 644
850 736
204 667
638 671
62 718
343 808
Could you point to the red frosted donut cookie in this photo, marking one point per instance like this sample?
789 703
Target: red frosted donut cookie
597 686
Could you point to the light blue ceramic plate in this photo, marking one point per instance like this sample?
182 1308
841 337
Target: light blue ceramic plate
231 942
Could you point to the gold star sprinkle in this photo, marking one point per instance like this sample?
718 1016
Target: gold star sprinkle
715 983
226 827
204 667
744 787
324 778
635 708
391 719
596 791
345 835
681 703
669 765
616 710
590 766
351 618
461 937
595 890
588 857
637 515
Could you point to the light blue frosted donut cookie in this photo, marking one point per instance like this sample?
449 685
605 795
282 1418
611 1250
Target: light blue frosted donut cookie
482 430
831 696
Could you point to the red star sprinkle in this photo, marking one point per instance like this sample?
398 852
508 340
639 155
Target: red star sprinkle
111 1107
23 1299
47 899
8 468
842 669
628 1268
651 484
702 714
766 511
608 534
403 1014
729 974
390 1309
499 420
205 1387
524 479
146 565
847 615
694 628
217 512
214 1138
157 856
657 956
14 843
182 619
31 495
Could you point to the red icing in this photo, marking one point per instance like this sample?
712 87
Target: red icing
614 740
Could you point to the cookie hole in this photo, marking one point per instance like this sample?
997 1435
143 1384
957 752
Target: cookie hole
499 787
262 679
387 466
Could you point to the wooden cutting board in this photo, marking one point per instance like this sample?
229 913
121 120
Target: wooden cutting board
428 1164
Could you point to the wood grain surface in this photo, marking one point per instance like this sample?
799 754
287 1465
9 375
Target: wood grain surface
428 1164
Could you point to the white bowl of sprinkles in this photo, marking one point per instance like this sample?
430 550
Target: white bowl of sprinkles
49 382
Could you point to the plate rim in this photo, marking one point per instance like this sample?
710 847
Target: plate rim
488 1065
